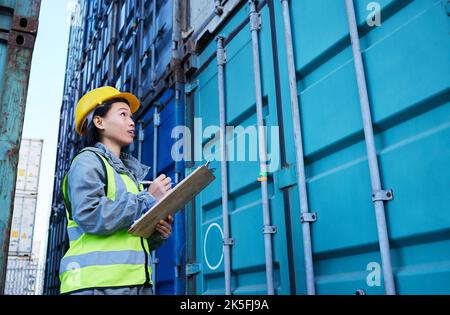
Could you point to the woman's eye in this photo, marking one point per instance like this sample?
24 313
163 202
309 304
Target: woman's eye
122 114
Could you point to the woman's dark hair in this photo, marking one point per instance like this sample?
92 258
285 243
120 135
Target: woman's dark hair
92 135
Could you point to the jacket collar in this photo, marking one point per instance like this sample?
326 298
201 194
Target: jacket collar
125 164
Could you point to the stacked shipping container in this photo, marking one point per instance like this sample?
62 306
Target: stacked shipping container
22 226
353 200
24 276
23 269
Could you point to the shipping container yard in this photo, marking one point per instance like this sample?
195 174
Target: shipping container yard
333 116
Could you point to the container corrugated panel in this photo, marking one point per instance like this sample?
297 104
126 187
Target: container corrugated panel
23 276
205 229
29 165
22 226
407 72
161 120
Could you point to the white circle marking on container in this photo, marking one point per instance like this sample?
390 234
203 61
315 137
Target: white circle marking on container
204 246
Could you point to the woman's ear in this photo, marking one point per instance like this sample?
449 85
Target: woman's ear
98 122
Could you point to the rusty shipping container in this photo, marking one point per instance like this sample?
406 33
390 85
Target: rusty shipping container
18 28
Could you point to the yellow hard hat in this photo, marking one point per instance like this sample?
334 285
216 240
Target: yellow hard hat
91 100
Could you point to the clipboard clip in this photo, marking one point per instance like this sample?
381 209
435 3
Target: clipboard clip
208 164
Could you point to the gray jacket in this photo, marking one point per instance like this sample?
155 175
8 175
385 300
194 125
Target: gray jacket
91 209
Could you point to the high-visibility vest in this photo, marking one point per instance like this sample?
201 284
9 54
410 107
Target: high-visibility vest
98 261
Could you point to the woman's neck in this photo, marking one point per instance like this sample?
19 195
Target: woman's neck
114 147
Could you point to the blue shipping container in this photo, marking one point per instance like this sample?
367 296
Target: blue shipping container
407 67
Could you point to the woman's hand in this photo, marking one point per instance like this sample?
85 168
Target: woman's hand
165 227
160 186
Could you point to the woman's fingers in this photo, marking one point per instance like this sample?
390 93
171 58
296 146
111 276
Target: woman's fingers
165 227
163 234
160 186
163 231
165 224
161 177
165 183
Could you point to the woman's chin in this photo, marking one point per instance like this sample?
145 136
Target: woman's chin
125 142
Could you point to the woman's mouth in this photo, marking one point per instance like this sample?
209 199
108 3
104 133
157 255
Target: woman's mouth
131 132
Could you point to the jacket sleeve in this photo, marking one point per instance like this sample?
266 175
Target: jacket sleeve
91 209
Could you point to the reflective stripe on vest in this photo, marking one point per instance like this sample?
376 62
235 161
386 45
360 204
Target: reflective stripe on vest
94 261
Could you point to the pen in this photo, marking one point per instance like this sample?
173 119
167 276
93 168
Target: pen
148 182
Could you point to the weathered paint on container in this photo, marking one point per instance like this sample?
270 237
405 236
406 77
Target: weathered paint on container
19 23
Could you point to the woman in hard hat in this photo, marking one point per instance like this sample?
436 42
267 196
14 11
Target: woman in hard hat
103 198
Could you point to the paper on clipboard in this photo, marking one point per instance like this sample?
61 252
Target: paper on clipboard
175 200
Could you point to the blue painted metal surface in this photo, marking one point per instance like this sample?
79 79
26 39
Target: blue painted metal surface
170 266
19 24
408 77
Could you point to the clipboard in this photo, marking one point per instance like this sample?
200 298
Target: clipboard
173 201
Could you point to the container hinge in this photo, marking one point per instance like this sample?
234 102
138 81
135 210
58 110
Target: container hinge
192 269
269 229
383 195
141 134
156 119
286 177
25 24
218 7
221 52
221 57
190 87
20 39
228 241
255 21
308 217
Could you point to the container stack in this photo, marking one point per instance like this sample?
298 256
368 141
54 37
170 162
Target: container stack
23 268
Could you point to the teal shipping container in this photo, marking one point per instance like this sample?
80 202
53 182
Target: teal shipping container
19 21
355 97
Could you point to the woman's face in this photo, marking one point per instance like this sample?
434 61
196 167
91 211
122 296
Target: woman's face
118 125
